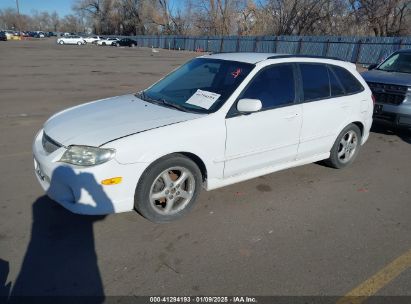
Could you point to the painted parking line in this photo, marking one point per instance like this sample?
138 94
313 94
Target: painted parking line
370 287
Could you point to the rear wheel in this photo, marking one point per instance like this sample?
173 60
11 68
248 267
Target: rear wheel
79 43
117 44
103 43
61 42
168 189
133 45
345 148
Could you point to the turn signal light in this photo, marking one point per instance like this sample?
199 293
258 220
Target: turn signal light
112 181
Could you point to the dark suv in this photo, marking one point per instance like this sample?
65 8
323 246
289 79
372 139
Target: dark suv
390 82
3 36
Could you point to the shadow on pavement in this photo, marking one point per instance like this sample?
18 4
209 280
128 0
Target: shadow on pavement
4 286
61 259
386 128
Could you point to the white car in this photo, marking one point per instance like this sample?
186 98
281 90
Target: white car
107 41
9 35
92 39
71 40
217 120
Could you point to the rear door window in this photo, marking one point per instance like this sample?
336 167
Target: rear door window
316 84
349 82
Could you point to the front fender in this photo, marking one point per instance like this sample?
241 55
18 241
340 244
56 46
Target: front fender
204 137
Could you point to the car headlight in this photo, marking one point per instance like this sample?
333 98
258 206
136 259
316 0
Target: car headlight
87 156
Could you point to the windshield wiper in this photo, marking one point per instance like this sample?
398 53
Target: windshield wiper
162 101
144 97
174 105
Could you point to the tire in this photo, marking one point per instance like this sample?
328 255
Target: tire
160 203
345 148
79 43
103 43
117 44
61 42
132 45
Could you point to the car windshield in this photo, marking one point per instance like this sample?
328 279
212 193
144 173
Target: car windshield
201 85
399 62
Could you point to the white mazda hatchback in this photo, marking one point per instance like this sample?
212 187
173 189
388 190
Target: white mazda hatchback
217 120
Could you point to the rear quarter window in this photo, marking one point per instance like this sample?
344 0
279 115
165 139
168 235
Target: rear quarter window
335 85
349 82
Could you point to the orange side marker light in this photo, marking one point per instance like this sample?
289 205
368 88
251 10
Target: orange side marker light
112 181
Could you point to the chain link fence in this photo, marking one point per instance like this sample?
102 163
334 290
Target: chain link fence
363 50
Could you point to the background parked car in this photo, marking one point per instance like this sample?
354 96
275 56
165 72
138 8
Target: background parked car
39 35
125 42
107 41
92 39
390 82
3 36
9 35
71 40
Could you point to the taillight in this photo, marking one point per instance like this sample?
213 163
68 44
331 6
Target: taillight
373 98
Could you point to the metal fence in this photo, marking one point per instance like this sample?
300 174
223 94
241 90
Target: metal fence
364 50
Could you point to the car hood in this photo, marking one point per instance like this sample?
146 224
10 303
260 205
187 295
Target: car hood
387 77
101 121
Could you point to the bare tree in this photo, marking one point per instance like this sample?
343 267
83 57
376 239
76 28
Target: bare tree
226 17
72 24
94 8
383 17
55 21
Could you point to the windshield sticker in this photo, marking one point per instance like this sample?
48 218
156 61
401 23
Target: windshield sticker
236 73
203 99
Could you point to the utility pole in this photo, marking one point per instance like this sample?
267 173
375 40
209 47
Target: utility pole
18 17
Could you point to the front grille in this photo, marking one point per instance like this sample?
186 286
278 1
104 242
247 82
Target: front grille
388 93
49 144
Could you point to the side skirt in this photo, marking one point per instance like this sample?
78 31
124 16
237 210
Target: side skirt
215 183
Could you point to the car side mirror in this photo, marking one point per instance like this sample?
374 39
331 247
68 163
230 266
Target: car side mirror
247 105
372 66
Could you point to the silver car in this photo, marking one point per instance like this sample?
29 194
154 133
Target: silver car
390 82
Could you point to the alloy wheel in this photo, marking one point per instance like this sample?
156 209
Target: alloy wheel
172 190
348 146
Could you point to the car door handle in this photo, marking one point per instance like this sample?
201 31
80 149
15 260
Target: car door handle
291 116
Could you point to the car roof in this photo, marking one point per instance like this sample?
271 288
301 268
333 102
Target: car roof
258 57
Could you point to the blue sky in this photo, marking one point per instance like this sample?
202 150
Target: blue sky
62 7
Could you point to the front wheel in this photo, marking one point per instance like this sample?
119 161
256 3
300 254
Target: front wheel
168 189
345 148
79 43
61 42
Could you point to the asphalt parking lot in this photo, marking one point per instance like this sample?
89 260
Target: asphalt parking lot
311 230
